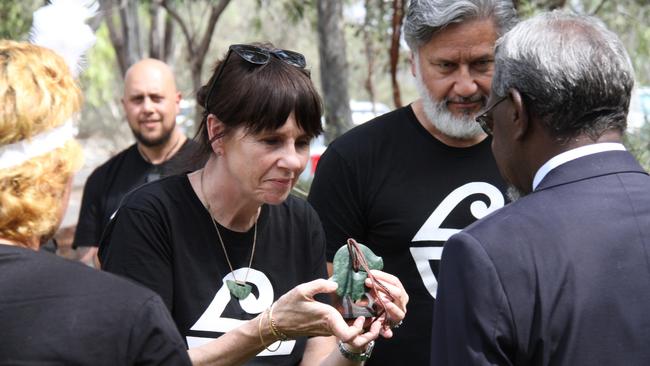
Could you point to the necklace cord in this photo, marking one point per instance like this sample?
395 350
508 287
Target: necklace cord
165 157
223 246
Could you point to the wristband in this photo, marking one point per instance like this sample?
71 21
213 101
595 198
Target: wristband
355 356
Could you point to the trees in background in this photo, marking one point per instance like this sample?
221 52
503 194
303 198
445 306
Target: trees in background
16 18
130 22
360 36
333 68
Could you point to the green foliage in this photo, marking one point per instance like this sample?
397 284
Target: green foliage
102 114
16 18
638 143
628 19
296 10
99 78
291 11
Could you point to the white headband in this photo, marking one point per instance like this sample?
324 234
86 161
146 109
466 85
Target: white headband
17 153
61 27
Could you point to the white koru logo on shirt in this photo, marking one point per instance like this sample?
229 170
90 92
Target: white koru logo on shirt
431 230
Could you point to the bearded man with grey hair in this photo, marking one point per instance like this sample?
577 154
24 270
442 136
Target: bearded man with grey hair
560 276
404 182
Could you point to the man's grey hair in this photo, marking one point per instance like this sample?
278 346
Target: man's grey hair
573 73
424 18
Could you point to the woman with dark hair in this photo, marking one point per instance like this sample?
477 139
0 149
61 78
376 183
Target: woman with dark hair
221 245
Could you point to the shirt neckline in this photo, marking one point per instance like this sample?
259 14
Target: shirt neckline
573 154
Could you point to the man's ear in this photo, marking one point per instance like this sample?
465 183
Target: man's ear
521 123
177 100
216 131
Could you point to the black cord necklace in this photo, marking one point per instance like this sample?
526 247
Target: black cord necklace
156 171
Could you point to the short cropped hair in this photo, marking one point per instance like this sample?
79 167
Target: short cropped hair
260 97
573 73
425 18
37 93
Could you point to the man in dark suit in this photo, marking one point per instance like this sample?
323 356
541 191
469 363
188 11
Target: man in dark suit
562 275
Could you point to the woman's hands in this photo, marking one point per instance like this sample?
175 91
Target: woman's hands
296 313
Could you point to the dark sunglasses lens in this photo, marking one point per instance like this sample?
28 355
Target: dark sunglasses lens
252 54
292 58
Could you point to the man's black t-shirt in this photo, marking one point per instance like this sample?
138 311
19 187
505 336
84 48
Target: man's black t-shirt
393 187
57 312
163 237
108 184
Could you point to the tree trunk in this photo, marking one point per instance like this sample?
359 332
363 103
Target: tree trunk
333 68
131 32
370 55
197 50
125 35
156 32
398 17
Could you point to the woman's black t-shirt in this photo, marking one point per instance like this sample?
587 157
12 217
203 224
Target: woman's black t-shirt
162 237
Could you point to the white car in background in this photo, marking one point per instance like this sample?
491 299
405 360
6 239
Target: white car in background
639 113
362 111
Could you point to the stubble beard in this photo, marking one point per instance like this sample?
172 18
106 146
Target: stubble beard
463 127
154 142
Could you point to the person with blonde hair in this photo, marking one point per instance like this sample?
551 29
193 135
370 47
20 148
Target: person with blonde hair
37 97
53 310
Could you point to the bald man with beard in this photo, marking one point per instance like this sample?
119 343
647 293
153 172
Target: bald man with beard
151 103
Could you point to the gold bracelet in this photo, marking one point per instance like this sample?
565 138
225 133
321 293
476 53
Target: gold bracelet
274 328
259 330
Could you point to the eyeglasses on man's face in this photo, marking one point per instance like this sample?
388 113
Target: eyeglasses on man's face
259 56
485 120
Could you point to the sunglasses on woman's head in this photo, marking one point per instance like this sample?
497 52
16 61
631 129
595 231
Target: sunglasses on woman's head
258 56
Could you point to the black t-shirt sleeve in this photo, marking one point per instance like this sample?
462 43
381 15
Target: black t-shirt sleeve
89 225
154 338
136 246
335 197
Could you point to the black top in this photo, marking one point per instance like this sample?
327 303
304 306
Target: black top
163 237
57 312
392 186
560 277
108 183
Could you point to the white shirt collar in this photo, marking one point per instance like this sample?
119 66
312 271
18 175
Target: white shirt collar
573 154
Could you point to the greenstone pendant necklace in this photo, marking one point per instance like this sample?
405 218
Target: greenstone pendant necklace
238 289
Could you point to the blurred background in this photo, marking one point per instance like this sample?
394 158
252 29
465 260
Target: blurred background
367 72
